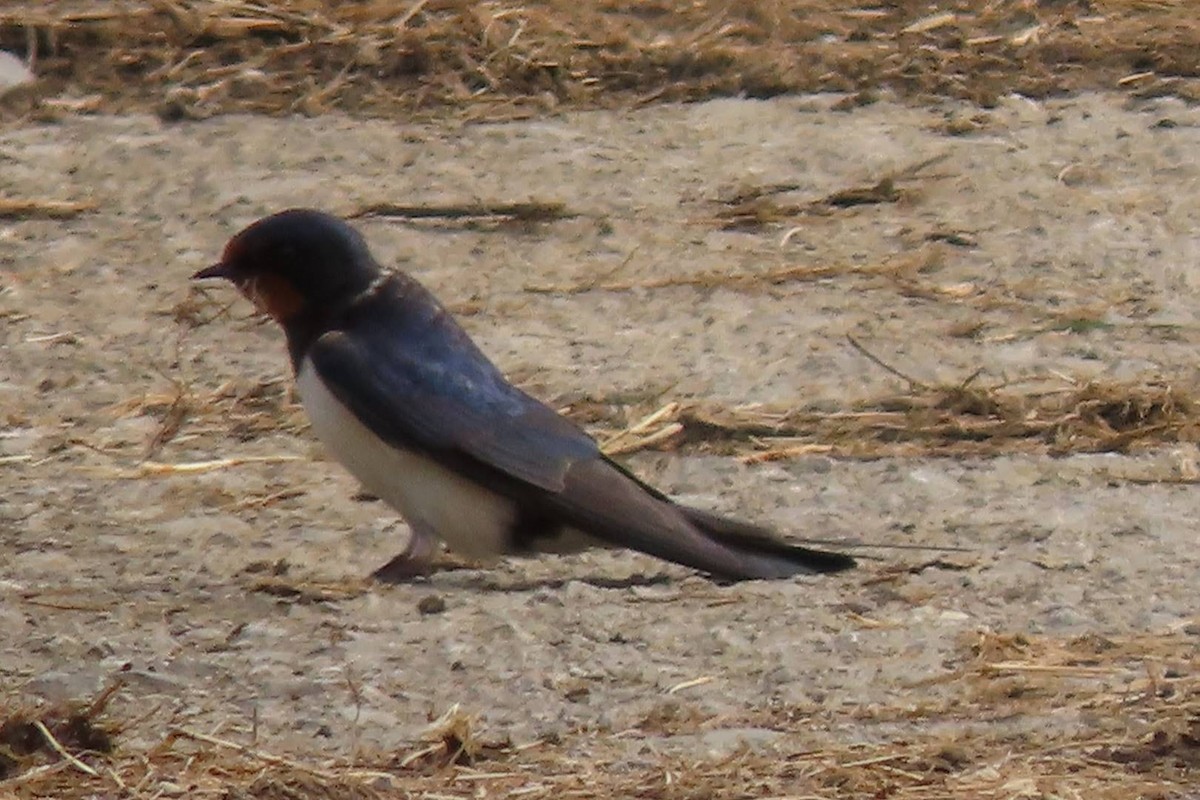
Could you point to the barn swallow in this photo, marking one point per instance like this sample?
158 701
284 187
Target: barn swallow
401 396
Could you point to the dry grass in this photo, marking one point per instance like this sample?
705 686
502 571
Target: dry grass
964 419
1037 717
242 409
11 208
522 212
902 271
29 735
188 59
956 420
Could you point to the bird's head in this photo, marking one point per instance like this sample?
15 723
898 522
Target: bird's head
296 262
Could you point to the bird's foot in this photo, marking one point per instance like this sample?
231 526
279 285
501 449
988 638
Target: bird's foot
402 569
422 557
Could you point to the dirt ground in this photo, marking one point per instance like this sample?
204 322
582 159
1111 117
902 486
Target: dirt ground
1052 244
886 318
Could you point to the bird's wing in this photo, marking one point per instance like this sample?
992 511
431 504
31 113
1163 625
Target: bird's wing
439 394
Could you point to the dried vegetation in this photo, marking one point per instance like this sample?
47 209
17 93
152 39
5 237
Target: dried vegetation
955 420
1133 717
193 58
1112 718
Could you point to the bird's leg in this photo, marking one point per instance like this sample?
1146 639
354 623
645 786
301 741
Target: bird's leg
416 560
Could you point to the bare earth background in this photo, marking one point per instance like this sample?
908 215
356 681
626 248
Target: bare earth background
1028 270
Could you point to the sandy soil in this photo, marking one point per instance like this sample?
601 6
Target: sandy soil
230 599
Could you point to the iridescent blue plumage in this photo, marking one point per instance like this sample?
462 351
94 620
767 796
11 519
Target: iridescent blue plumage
402 364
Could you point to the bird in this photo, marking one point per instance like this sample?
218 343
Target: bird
396 391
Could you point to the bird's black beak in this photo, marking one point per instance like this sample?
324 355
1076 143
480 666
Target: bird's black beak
218 270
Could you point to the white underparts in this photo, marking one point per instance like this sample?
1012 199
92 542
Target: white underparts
473 521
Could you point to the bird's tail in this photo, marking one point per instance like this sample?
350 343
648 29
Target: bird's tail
605 501
760 553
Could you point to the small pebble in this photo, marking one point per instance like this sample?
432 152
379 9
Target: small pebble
431 604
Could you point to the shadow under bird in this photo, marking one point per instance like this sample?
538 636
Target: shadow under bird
401 396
